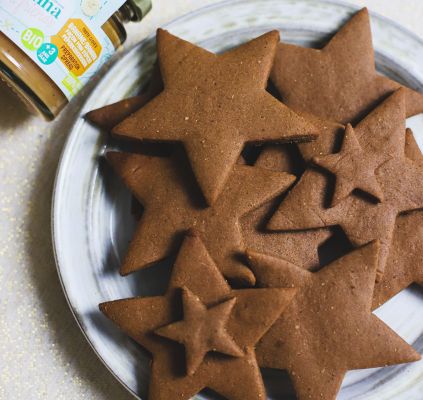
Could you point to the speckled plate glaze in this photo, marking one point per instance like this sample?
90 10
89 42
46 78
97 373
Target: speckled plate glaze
92 222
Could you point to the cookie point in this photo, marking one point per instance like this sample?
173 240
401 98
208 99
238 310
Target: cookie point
371 252
417 356
361 14
113 156
250 253
161 31
400 94
245 277
103 307
374 244
253 258
277 223
274 34
287 294
290 178
211 195
193 233
124 270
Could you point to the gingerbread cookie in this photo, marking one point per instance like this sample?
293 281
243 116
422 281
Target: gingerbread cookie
339 82
328 328
405 260
214 104
173 204
363 220
354 168
201 333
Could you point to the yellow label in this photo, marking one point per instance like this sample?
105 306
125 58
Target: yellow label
78 47
72 83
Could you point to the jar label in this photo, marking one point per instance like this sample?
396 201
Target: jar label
64 37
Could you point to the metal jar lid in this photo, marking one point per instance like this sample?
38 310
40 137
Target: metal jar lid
139 8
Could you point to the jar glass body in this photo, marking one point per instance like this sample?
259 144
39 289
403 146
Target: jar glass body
36 89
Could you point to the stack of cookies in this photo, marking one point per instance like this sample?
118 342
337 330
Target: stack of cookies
283 182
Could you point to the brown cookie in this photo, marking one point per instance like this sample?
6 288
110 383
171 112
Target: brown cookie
214 104
107 117
218 356
354 168
405 260
339 82
328 328
381 133
172 205
300 248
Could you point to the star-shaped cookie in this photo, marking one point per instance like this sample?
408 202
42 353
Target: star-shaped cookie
173 204
328 328
214 104
405 261
353 167
245 316
339 82
382 134
202 330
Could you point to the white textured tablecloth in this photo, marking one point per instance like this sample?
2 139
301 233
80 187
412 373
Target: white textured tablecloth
43 355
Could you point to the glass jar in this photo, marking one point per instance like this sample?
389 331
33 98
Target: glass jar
37 70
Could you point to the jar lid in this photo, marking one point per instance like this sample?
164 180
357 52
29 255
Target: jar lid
140 8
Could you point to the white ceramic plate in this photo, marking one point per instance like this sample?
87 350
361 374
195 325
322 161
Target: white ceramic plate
92 222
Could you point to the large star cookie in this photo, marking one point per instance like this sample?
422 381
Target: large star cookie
218 328
381 133
328 328
214 104
172 205
339 82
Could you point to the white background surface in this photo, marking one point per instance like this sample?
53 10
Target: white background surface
43 355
